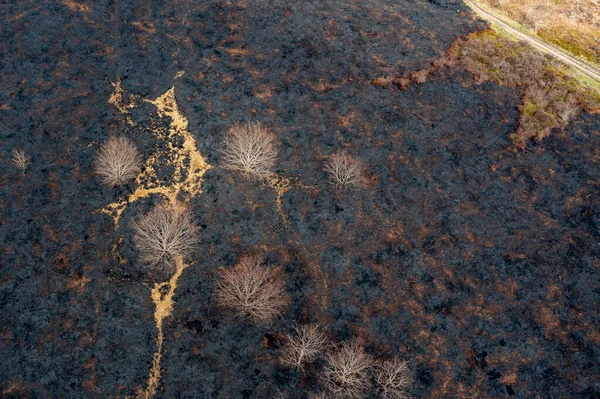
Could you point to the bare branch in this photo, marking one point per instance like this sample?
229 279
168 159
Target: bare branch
117 162
318 395
393 378
346 374
305 346
344 171
20 160
250 148
251 290
163 233
569 110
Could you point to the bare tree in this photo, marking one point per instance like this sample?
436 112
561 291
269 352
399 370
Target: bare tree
167 231
250 148
117 162
344 170
305 346
252 290
20 160
393 378
346 374
567 110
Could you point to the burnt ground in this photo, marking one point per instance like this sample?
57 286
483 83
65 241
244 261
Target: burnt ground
478 264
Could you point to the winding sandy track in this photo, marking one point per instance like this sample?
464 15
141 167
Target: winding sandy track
547 48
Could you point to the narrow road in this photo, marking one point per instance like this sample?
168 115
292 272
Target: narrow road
547 48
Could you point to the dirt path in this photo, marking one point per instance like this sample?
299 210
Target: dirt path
547 48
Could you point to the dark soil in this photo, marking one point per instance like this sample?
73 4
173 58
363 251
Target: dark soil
478 264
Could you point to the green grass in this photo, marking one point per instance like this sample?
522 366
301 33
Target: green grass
560 37
581 46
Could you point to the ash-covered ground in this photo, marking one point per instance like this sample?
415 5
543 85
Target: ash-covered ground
478 264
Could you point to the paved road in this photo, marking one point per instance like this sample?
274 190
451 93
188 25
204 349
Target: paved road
576 63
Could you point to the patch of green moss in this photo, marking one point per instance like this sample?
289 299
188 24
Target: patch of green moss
529 108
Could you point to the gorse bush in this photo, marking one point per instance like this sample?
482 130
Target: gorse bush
164 233
117 162
250 148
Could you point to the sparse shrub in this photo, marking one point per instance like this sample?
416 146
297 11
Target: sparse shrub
393 378
420 76
344 170
383 81
164 233
250 148
404 82
346 374
20 160
252 290
305 346
117 162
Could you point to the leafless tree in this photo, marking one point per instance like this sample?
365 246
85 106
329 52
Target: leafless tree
117 162
251 149
568 111
305 346
167 231
346 374
252 290
344 170
20 160
393 378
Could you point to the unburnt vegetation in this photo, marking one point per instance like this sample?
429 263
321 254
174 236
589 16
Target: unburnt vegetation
572 25
552 97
